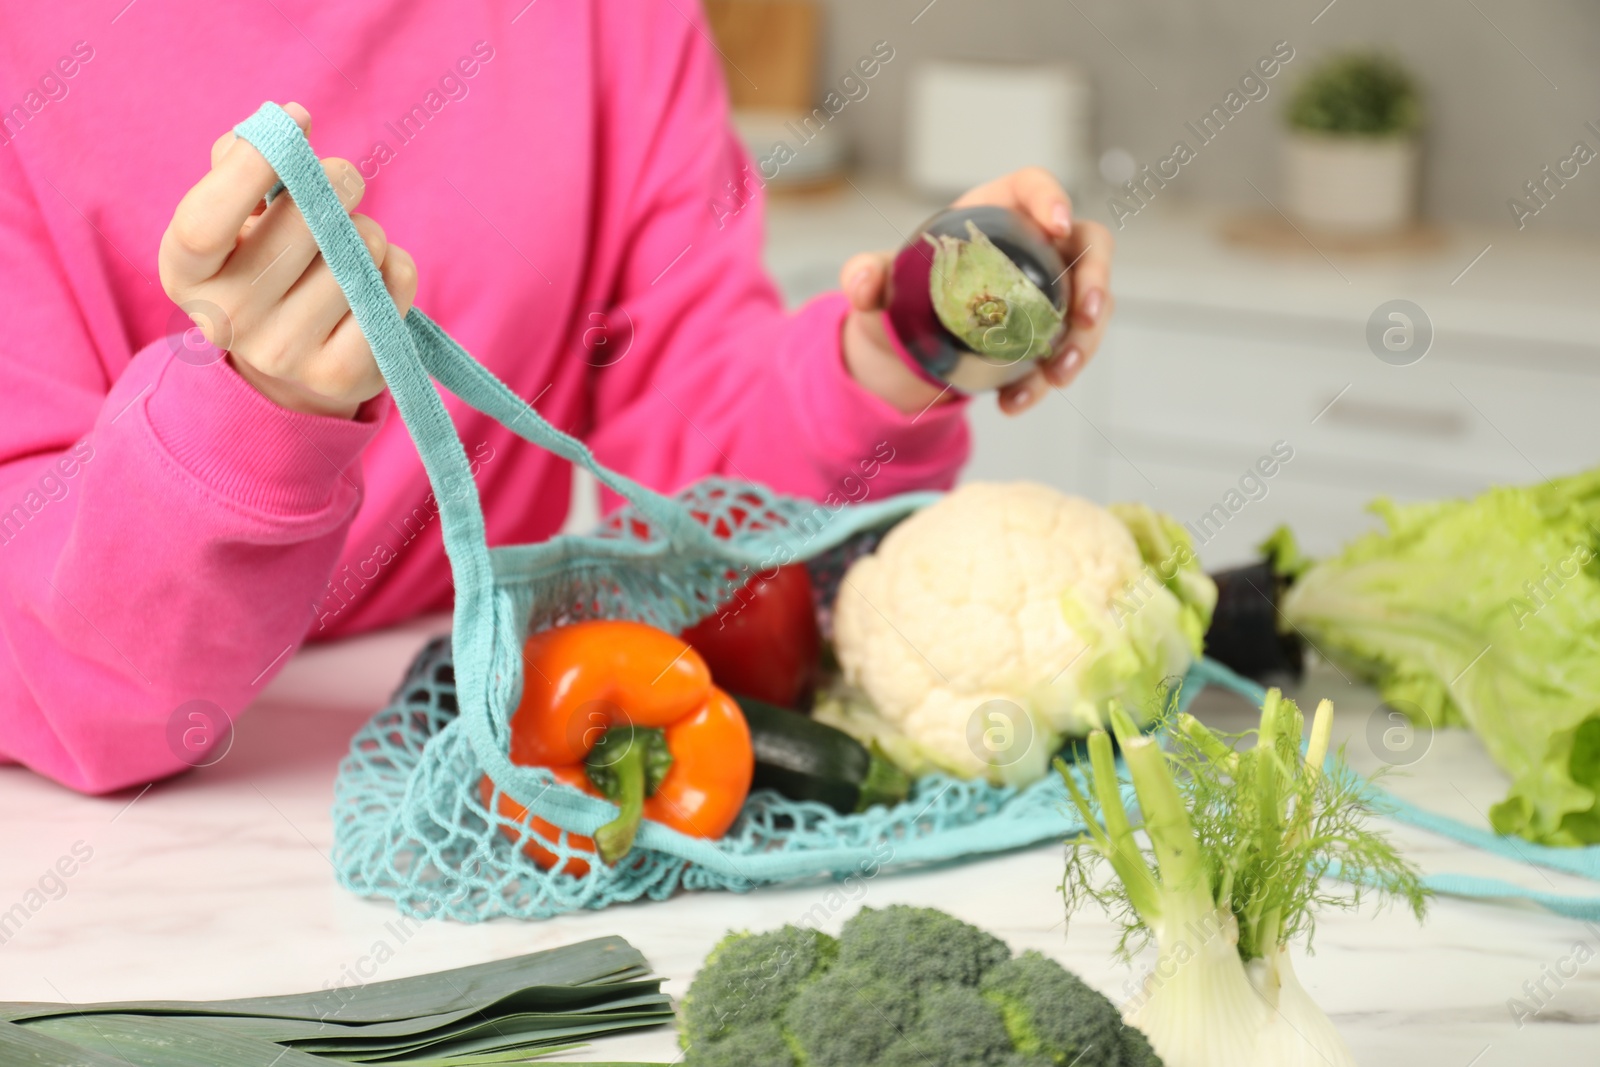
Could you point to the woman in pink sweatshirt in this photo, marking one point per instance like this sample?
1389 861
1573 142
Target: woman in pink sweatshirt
181 506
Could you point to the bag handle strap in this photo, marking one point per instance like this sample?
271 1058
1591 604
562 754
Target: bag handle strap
455 369
278 138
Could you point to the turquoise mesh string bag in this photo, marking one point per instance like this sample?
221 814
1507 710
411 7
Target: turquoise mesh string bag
409 821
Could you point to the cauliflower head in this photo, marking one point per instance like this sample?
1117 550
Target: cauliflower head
993 623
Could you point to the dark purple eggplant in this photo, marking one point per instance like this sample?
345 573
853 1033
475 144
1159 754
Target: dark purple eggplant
1247 633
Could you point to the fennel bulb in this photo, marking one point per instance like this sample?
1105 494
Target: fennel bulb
1238 841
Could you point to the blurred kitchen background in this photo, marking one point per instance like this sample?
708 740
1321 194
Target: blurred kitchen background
1256 282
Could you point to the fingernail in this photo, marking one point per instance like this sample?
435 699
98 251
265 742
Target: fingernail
1061 218
857 280
1020 398
1060 371
1092 305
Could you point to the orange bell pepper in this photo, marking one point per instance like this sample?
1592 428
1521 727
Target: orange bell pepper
627 712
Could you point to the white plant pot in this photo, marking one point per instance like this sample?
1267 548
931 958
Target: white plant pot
1351 183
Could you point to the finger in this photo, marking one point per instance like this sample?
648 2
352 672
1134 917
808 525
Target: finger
308 313
220 146
315 304
205 227
1079 348
400 278
278 248
346 368
1020 396
864 279
1089 250
1064 366
1035 192
301 116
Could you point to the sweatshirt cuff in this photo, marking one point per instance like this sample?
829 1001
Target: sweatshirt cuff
244 447
850 422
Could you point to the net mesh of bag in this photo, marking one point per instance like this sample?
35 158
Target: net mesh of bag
410 822
406 827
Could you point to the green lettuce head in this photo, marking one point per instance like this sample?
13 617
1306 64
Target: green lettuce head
1483 612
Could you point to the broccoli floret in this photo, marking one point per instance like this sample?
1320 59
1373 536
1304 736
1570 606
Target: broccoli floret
900 987
919 948
1051 1012
956 1027
846 1017
748 978
762 1044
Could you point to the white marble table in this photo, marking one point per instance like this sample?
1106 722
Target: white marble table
216 885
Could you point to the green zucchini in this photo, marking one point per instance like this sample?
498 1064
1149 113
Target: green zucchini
803 759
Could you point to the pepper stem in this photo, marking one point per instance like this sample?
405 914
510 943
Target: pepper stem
626 766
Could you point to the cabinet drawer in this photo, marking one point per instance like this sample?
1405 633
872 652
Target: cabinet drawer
1494 424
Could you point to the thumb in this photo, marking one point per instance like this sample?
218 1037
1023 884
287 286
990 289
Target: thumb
864 279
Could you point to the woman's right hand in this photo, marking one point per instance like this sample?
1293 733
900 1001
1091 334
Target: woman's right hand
254 282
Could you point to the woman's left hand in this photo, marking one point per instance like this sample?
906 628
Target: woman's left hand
1085 246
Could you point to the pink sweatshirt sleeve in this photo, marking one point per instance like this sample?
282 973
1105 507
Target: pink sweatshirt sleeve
718 377
161 540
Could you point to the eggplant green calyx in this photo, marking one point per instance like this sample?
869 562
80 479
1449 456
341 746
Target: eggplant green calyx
986 300
626 766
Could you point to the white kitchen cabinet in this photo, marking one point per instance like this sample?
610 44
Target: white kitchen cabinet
1216 354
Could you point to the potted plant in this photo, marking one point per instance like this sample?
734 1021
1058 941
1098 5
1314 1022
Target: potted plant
1352 156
